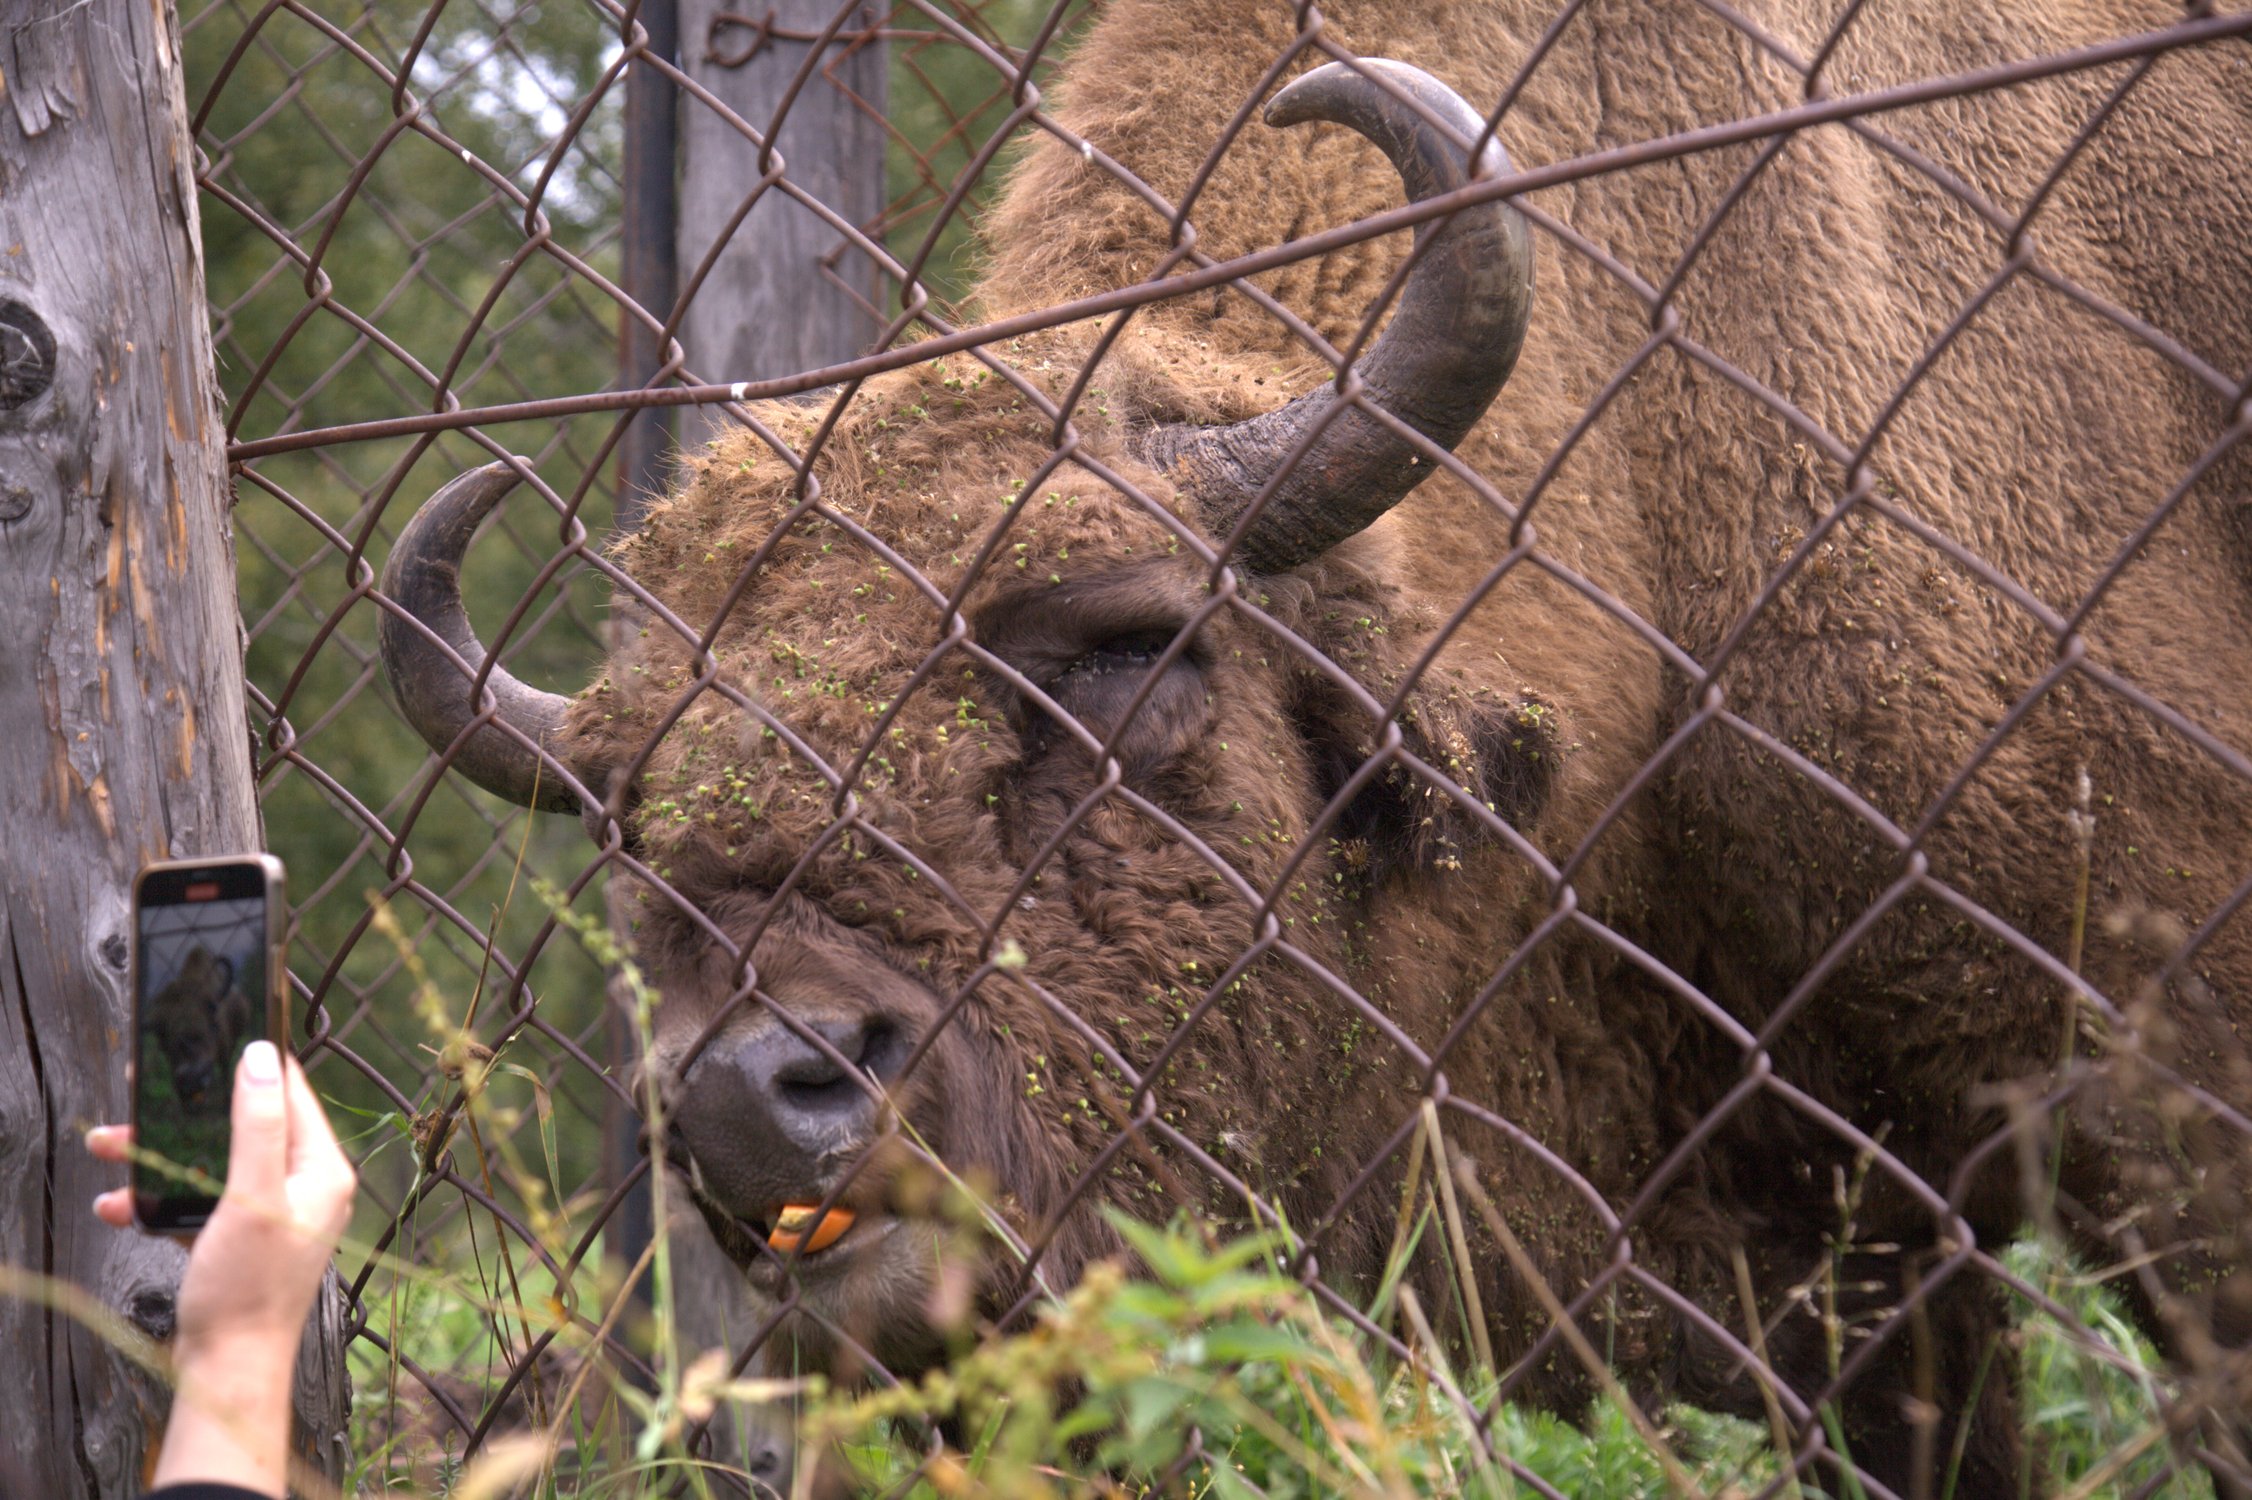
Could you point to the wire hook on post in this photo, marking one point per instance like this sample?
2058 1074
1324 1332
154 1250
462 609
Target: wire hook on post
765 30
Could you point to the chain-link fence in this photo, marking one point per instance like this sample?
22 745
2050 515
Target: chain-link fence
1725 905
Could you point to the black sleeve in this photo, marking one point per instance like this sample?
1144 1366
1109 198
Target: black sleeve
202 1491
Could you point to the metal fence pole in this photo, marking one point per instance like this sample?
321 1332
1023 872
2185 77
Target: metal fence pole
651 213
651 208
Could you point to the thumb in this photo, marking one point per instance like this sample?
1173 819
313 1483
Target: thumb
258 1158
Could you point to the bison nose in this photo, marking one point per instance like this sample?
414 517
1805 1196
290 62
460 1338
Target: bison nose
769 1117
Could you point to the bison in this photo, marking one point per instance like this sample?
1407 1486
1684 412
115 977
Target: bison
198 1020
1797 735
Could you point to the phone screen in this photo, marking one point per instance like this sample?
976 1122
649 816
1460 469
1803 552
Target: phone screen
203 946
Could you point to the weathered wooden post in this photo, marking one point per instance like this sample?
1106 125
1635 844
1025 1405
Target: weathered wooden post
781 299
121 695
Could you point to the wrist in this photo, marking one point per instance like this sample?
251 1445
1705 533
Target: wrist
238 1364
230 1414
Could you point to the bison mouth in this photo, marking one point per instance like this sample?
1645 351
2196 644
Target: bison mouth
807 1236
808 1227
873 1280
805 1230
864 1300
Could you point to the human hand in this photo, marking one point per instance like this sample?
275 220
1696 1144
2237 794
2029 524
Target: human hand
252 1274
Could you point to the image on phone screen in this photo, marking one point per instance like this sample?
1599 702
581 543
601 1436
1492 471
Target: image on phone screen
203 969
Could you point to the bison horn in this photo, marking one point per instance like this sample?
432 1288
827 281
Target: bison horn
1449 348
423 577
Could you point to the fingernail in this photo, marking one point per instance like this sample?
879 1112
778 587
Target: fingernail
261 1064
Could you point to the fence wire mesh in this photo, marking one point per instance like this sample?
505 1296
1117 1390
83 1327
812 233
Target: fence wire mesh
1769 836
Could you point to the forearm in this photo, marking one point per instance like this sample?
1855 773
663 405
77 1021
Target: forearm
230 1417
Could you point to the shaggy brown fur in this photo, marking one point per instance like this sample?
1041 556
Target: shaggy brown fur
2040 441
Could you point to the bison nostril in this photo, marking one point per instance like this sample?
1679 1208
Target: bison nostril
837 1096
811 1070
885 1052
813 1080
675 1144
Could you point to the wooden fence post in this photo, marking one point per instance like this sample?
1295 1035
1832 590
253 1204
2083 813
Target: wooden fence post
121 692
781 299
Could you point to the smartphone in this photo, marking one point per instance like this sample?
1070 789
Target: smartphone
207 982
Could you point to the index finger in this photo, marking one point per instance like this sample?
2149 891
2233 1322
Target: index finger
109 1142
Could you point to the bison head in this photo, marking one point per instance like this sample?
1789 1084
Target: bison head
983 816
192 1024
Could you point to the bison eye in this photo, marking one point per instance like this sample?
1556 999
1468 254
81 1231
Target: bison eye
1098 687
1134 653
1093 645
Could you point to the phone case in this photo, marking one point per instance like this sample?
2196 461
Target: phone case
209 976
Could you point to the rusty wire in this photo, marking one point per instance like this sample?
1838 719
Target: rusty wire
445 860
